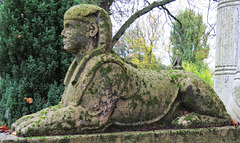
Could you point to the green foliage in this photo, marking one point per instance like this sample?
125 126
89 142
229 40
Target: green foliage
138 44
134 48
32 60
204 73
95 2
143 55
191 39
53 94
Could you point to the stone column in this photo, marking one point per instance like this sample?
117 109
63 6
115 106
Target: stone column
227 52
233 106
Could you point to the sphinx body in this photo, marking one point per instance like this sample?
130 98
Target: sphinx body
102 90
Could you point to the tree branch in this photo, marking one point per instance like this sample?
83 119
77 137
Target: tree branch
137 15
169 13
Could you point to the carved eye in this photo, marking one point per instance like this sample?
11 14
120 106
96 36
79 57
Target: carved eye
66 25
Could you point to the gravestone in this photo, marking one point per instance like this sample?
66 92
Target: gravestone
227 53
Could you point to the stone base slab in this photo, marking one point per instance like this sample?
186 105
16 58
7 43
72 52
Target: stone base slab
202 135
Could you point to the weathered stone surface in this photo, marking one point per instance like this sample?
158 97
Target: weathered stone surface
152 97
234 100
227 56
201 135
227 48
103 91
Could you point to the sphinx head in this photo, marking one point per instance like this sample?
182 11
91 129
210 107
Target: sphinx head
86 27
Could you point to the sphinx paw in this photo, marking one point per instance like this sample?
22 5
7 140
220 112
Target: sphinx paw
187 120
20 122
26 125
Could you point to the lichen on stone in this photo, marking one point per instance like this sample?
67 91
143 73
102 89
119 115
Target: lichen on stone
103 90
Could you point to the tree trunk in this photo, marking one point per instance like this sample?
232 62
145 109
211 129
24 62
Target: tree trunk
106 5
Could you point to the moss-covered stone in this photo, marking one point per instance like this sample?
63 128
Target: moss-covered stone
102 90
217 134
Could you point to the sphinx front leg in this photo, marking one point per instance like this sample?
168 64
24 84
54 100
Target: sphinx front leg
50 121
57 121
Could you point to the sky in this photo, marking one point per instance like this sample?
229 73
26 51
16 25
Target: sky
208 10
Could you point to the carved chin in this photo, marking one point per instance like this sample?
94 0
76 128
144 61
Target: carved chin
66 48
69 49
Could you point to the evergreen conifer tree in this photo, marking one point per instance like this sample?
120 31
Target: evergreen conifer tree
191 38
32 61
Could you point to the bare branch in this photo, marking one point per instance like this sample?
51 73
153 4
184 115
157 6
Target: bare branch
137 15
212 28
169 13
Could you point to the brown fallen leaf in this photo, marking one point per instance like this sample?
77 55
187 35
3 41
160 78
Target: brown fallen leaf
28 100
3 128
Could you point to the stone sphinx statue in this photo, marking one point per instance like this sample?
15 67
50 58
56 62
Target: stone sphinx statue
102 90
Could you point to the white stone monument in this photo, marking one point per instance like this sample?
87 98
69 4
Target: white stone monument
233 106
227 55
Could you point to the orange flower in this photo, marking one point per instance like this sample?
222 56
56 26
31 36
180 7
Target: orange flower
28 100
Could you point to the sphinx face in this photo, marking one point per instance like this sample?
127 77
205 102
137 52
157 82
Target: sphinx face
76 36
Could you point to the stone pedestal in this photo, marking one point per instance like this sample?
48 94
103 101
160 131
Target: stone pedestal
228 47
201 135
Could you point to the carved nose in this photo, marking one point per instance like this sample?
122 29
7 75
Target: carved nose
63 34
